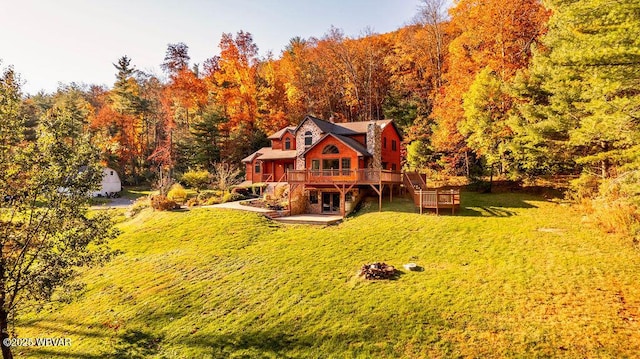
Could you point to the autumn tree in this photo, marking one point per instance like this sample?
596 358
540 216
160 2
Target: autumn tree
120 122
272 96
485 124
581 91
182 104
234 85
47 232
489 33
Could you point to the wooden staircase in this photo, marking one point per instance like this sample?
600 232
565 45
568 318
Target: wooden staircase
433 199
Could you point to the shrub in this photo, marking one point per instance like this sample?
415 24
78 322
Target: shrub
616 205
298 201
242 191
212 200
192 202
280 191
230 197
197 179
177 193
206 195
162 203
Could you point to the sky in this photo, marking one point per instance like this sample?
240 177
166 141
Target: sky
62 41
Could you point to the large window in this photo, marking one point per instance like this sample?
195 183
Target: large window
346 166
257 168
287 144
330 166
313 197
384 142
315 165
394 146
308 138
330 149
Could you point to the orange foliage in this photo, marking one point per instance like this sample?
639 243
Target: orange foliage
121 134
491 33
235 80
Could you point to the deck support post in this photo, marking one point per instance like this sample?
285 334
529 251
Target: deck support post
437 202
391 193
379 192
420 194
343 195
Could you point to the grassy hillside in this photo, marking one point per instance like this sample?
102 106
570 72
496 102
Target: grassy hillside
512 276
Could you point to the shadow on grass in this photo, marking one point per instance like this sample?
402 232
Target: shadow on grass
131 343
136 344
485 212
472 205
265 344
43 352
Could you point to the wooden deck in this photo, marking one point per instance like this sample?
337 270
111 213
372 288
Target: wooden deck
430 199
361 176
438 199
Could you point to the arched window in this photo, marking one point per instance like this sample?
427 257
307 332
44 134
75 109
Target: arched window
287 143
308 138
330 149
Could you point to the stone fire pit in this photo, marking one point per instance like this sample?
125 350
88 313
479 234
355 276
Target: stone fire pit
377 271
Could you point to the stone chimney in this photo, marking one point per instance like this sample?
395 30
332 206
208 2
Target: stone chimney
374 137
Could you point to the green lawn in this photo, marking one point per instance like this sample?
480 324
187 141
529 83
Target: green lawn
135 192
511 276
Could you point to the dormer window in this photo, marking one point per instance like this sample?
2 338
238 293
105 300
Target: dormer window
330 149
287 143
308 138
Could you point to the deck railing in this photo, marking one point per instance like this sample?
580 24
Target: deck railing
344 176
437 199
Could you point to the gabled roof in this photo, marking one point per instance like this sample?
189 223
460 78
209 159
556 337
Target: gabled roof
278 135
349 142
345 128
268 153
326 127
362 126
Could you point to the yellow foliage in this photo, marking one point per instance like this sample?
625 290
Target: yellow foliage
177 193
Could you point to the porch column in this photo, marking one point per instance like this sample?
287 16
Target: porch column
379 192
342 204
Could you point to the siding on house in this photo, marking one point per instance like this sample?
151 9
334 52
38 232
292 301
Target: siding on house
390 157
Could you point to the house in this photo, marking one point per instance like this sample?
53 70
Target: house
109 185
334 163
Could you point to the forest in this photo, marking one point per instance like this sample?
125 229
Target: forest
518 89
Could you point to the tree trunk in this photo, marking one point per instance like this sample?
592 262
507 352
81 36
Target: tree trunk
4 334
491 179
466 162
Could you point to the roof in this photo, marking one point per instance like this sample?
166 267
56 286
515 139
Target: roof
326 127
362 126
349 142
345 128
278 135
268 153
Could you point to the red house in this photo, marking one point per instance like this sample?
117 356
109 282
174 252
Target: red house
335 163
